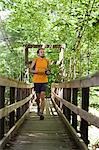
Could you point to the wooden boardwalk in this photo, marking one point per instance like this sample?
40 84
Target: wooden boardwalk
47 134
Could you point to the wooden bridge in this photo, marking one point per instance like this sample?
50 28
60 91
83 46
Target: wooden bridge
20 127
66 115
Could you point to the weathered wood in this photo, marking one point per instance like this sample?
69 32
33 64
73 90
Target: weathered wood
27 94
69 100
14 83
85 106
64 97
26 55
18 98
13 130
27 46
12 114
6 110
10 109
85 82
23 97
66 110
74 101
21 100
70 128
92 119
49 134
57 102
2 102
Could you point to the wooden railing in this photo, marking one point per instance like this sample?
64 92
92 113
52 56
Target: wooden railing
66 105
19 96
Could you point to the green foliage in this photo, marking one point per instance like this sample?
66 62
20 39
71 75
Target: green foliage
74 23
94 97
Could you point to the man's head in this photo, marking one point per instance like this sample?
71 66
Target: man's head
40 52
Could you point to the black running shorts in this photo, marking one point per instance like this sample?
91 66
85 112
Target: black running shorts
40 87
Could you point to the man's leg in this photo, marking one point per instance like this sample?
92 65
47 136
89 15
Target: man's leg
42 104
38 102
37 90
42 96
42 99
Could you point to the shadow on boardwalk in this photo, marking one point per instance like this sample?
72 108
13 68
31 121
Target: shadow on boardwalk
47 134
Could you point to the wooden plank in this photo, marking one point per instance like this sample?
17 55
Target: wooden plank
49 134
64 97
84 123
78 140
69 100
74 101
18 98
2 103
14 83
12 114
8 109
26 55
92 119
12 131
81 83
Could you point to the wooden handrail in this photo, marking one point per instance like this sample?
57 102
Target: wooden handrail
68 102
92 119
91 81
74 134
8 109
17 110
14 83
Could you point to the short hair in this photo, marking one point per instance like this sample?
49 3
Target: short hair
39 50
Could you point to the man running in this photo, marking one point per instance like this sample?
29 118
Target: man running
40 79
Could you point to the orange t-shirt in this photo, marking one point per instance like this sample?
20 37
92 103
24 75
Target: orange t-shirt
41 66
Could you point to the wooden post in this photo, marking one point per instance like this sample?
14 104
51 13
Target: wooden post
21 111
56 101
18 98
27 106
64 97
85 106
2 102
23 97
74 101
69 100
67 96
26 56
26 93
12 114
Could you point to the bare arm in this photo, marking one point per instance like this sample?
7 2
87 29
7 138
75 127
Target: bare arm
48 70
31 67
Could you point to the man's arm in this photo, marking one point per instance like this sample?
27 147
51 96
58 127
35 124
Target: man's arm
31 67
48 70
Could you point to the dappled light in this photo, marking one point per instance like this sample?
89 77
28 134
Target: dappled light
49 74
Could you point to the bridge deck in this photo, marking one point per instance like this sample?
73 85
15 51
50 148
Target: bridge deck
47 134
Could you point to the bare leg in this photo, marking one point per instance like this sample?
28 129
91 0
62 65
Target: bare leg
42 96
38 102
37 98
